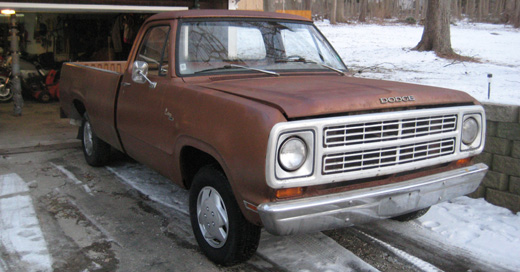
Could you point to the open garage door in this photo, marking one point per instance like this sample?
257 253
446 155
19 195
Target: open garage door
77 32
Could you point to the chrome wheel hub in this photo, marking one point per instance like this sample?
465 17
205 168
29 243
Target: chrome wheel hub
212 217
87 138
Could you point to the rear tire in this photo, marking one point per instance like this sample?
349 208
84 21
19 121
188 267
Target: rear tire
96 151
6 92
411 216
222 232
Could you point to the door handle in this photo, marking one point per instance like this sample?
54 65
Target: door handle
125 84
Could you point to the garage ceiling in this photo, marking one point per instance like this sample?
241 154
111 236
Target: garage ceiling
85 8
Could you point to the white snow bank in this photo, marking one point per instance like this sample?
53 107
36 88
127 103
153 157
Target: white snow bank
487 230
384 52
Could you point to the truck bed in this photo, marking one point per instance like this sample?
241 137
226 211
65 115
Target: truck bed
88 86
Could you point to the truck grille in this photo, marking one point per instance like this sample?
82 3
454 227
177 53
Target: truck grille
363 146
359 134
384 157
369 132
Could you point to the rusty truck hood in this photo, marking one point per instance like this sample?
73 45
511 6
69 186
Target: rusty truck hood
304 96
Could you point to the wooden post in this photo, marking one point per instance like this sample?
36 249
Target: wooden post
16 87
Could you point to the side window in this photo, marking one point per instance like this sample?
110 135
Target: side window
155 50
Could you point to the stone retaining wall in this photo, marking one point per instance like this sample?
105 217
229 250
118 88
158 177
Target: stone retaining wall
501 186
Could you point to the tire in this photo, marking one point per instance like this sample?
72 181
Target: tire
411 216
45 97
222 232
97 152
6 92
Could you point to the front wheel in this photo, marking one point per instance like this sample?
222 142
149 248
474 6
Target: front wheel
222 232
96 151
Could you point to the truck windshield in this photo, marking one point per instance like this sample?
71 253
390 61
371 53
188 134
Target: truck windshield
218 47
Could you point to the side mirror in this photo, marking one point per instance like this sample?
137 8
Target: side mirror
140 72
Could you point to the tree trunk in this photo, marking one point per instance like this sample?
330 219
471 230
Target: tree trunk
470 9
332 12
417 10
436 35
497 9
424 7
454 8
270 5
363 11
479 11
459 14
517 14
348 9
307 4
340 11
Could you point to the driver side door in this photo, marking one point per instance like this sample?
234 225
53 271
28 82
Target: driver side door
139 110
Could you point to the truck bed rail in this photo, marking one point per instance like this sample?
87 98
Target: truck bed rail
115 66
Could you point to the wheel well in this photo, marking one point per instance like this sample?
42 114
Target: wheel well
192 159
78 105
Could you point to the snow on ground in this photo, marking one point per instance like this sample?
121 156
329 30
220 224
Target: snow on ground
384 52
489 231
306 252
20 232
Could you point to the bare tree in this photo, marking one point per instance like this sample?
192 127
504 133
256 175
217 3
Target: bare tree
436 34
332 12
455 11
479 11
269 5
340 11
417 10
497 8
363 10
470 8
307 4
516 22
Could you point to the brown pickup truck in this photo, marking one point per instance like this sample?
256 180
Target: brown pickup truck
256 114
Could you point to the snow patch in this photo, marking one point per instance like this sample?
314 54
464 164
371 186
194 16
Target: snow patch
10 184
491 232
310 252
375 50
20 232
153 185
419 263
73 177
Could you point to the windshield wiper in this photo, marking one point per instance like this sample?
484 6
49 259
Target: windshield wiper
232 66
303 60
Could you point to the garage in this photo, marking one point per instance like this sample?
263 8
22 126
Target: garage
52 32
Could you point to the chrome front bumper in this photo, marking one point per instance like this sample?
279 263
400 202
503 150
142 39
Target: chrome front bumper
364 205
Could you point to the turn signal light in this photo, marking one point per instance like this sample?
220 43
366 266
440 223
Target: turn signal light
289 192
463 161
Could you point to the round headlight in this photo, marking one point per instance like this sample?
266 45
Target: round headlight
470 130
293 154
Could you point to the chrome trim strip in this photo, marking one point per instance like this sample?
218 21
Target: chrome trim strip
364 205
